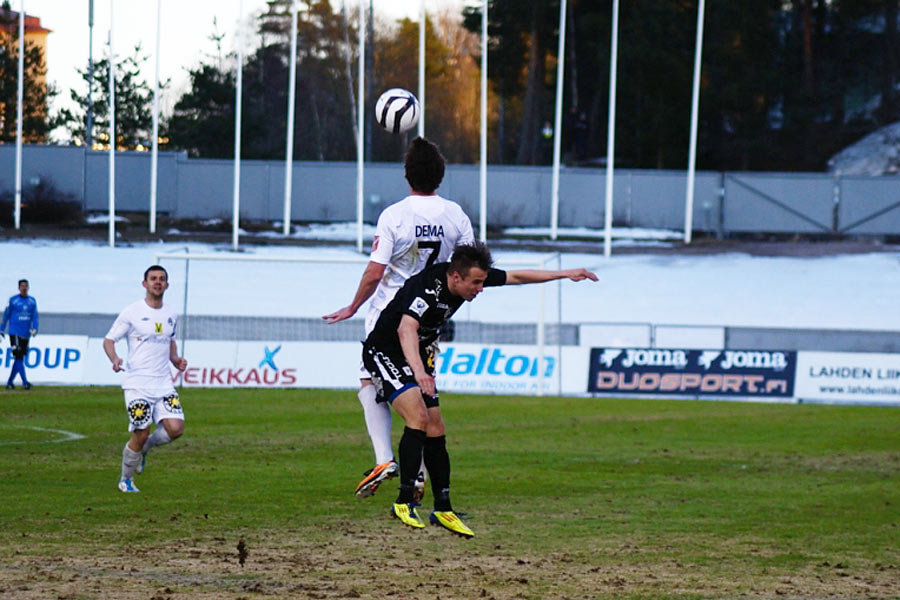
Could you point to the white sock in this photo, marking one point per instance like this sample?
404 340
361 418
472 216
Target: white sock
159 437
423 472
130 462
378 423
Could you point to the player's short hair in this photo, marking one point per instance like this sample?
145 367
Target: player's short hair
424 166
155 268
25 281
466 256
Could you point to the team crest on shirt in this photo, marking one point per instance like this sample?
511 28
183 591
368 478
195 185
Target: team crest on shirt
157 327
173 403
418 306
139 413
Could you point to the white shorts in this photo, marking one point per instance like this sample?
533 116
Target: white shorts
144 409
371 319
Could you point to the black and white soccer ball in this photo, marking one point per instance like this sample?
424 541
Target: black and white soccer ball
397 110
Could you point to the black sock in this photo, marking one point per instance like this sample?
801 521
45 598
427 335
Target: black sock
437 461
410 458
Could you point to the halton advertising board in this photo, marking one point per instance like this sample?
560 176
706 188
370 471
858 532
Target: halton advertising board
713 373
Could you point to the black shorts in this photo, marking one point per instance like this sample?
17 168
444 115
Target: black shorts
392 375
19 344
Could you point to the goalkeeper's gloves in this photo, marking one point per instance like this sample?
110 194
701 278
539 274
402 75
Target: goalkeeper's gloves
33 332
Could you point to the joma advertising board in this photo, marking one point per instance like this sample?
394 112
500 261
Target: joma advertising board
710 373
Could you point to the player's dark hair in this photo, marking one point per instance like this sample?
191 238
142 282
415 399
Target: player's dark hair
155 268
466 256
424 166
25 281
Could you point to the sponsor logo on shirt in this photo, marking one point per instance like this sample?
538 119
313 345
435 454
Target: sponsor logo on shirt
418 306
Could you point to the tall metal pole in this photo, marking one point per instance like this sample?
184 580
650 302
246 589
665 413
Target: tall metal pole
112 127
695 116
422 68
482 170
289 151
557 120
154 152
89 136
611 133
20 97
360 118
236 194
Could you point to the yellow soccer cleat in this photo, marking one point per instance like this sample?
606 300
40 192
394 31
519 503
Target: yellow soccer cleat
407 515
449 521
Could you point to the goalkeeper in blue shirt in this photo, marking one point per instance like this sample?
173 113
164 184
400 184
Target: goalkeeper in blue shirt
22 316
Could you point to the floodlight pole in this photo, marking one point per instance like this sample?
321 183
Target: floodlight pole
482 165
695 116
360 117
112 128
20 96
89 137
421 129
611 133
557 121
239 84
292 94
154 152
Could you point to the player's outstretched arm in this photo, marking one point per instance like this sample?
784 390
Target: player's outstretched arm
523 276
367 284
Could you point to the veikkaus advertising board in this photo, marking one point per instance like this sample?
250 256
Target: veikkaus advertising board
758 374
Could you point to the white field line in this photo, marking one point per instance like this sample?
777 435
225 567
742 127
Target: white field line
67 436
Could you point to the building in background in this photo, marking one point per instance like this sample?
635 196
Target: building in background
35 117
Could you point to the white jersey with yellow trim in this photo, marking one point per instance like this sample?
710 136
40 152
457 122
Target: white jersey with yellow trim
149 332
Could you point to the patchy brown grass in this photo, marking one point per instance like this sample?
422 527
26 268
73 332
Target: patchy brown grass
388 561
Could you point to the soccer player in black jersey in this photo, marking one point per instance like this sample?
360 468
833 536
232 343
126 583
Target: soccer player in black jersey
395 354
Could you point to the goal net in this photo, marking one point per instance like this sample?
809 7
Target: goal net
267 296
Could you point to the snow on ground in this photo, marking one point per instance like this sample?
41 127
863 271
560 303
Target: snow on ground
858 291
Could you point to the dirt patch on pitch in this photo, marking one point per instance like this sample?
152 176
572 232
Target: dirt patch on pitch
392 562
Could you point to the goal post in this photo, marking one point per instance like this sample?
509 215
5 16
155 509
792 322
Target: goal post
232 296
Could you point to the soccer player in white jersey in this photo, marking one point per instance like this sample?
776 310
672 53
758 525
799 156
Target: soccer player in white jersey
149 328
412 234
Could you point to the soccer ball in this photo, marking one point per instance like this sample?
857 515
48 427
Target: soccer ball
397 110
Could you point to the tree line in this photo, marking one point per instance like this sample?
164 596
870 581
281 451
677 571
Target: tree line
785 84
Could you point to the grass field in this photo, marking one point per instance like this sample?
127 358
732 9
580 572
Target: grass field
568 497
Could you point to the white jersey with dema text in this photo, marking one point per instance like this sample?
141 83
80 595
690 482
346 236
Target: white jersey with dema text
412 234
149 332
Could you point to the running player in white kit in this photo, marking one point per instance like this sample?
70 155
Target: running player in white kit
150 397
412 234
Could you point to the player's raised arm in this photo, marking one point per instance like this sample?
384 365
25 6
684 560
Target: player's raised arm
367 284
523 276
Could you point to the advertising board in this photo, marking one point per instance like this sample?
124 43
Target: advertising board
760 374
